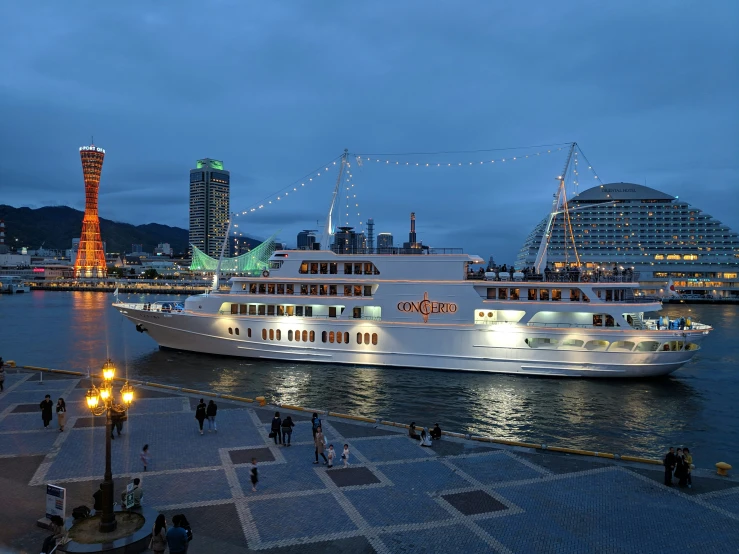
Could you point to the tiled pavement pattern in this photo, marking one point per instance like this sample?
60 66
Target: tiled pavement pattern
459 496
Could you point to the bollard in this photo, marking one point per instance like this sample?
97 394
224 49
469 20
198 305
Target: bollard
722 468
261 400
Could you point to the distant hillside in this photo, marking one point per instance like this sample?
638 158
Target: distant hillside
56 226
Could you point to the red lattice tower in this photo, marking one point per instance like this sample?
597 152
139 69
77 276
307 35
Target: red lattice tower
90 260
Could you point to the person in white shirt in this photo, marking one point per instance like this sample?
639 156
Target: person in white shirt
345 455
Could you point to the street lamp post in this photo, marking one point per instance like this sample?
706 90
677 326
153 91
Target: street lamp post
101 401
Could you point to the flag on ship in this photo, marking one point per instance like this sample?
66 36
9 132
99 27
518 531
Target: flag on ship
671 291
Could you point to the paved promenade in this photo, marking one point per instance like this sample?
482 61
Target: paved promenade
459 496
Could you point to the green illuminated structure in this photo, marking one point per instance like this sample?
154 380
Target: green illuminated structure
254 261
212 164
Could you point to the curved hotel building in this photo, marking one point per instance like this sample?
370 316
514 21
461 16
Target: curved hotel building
656 234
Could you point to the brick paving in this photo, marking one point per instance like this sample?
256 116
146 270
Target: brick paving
458 496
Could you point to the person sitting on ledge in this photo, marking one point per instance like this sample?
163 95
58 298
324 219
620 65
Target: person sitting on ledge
138 493
412 431
436 432
425 438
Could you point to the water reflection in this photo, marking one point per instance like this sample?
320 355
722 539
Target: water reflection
694 407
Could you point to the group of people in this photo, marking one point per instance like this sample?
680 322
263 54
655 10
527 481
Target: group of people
679 464
177 538
281 430
425 437
203 412
678 324
47 406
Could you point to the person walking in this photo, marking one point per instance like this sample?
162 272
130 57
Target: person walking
331 456
61 414
158 542
253 476
287 430
117 418
345 455
200 414
2 375
211 411
690 467
316 423
145 458
320 443
276 429
669 463
45 406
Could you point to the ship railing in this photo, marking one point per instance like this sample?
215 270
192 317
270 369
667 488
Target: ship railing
560 277
366 317
392 250
560 325
651 324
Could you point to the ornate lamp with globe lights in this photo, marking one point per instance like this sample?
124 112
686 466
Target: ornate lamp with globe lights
100 400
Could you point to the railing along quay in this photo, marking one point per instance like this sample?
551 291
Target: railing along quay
125 286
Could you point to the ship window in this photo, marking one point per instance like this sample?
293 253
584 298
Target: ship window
280 310
290 310
313 336
541 342
281 288
262 309
490 314
572 343
368 290
609 295
597 320
331 337
357 269
366 338
264 334
237 330
357 313
305 336
324 335
299 311
532 294
368 269
242 309
309 311
314 290
324 268
347 269
271 334
333 268
543 294
502 294
481 314
375 270
575 295
278 334
374 339
253 288
359 338
357 290
290 289
271 309
339 337
248 332
491 293
303 289
623 345
585 297
596 345
314 268
304 267
234 308
332 290
262 288
691 346
347 290
243 286
332 312
290 335
271 288
230 331
556 295
297 336
252 309
515 294
609 321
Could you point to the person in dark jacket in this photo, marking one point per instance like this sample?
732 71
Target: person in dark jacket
681 469
669 463
436 432
276 428
117 418
46 406
201 414
287 430
211 411
315 423
412 431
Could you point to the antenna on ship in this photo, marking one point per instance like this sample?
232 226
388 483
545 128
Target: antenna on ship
328 230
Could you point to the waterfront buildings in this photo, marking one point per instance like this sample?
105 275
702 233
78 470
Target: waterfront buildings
90 260
209 206
306 239
657 234
384 241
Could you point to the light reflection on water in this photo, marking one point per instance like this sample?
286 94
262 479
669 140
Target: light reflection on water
694 407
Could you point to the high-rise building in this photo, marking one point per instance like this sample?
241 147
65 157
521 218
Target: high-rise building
384 241
90 260
371 233
347 241
306 239
210 206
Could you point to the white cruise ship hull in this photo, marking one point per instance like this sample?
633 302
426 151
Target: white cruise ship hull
478 348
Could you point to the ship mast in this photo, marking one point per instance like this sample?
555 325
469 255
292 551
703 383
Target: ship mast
217 275
559 205
328 230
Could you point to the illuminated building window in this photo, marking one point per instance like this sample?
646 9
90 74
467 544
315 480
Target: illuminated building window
659 256
673 256
729 275
690 257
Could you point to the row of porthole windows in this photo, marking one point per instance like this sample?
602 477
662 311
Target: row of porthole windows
338 337
232 331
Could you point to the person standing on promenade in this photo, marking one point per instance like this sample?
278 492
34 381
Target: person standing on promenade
320 443
200 414
145 456
117 418
345 455
61 414
253 475
45 407
681 468
2 375
276 428
287 430
690 466
331 455
158 542
177 536
211 411
669 463
316 422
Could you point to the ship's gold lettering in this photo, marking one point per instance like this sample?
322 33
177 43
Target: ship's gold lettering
426 307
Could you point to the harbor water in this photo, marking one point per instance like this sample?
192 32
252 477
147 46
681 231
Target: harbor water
695 407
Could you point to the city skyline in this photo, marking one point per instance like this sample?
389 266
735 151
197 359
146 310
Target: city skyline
429 79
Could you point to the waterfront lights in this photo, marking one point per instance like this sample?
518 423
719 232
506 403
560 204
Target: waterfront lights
92 398
108 370
127 394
